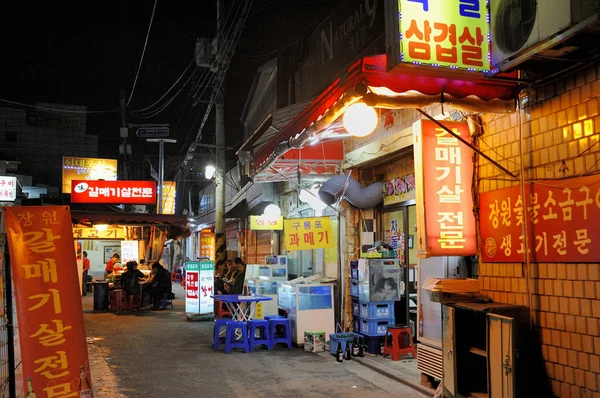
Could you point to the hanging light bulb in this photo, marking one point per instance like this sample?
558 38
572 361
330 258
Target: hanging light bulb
209 171
272 212
312 198
360 119
101 227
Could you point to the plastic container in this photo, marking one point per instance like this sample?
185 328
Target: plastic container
375 327
355 307
353 287
100 296
344 338
376 310
372 344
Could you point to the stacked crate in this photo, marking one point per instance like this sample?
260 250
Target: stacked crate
369 318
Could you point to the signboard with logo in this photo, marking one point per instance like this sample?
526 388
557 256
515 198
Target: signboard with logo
440 33
75 168
561 217
8 189
260 223
130 192
48 300
444 169
168 197
307 233
207 244
399 181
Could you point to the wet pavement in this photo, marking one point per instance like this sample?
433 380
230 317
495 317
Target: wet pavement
162 354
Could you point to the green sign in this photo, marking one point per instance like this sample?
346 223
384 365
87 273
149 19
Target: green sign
192 266
207 266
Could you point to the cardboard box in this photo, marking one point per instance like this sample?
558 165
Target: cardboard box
451 289
314 341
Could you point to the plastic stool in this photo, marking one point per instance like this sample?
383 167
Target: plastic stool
285 337
398 341
217 340
165 302
231 340
263 333
221 310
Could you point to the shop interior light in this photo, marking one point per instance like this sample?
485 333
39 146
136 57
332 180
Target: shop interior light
360 119
272 212
101 227
312 198
209 171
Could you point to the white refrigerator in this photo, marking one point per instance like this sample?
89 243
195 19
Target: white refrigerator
429 313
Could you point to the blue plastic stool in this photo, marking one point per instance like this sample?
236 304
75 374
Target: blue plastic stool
231 341
166 302
217 340
263 333
269 317
285 337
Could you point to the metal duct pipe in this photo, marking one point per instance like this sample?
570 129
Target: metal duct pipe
351 190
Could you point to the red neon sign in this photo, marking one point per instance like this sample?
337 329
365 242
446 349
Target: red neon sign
130 192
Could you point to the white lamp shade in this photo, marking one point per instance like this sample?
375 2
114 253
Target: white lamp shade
360 119
272 212
209 171
314 202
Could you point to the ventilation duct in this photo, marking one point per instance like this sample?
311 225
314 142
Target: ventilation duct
351 190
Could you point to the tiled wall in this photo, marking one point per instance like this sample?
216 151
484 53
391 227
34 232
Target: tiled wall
560 121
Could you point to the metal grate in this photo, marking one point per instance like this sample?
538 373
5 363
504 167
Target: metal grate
429 361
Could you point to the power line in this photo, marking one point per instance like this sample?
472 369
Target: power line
58 110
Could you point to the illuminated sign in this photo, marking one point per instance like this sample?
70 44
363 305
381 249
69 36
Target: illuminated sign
207 245
199 282
260 223
131 192
444 169
168 197
307 233
445 33
8 189
87 169
561 217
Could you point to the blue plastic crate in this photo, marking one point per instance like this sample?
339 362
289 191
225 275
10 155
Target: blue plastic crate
356 324
376 310
372 344
354 274
375 327
344 338
355 307
353 288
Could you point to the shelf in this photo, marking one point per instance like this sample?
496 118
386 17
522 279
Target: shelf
477 351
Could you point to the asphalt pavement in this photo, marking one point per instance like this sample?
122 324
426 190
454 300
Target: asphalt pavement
162 354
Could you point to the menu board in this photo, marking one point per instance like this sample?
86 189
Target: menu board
199 282
129 251
192 299
207 281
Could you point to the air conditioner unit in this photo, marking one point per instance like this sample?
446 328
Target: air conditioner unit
519 27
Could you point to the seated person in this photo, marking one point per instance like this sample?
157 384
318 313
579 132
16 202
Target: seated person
129 279
159 285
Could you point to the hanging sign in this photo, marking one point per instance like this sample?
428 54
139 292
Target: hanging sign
8 189
129 251
453 34
168 197
260 223
207 245
444 169
75 168
192 298
561 217
307 233
130 192
48 300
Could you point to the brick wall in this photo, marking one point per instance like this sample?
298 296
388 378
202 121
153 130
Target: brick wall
560 121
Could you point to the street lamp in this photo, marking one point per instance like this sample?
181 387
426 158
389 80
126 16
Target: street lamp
209 172
272 212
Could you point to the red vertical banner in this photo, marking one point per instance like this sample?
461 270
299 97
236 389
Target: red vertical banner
443 170
48 301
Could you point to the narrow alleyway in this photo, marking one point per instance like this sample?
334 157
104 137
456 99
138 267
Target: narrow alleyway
161 354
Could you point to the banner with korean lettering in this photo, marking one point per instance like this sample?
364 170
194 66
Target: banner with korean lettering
207 245
192 296
445 33
48 300
130 192
261 223
444 169
561 217
307 233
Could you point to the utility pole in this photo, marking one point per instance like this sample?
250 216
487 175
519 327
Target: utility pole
124 147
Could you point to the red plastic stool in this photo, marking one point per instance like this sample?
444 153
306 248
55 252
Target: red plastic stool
221 310
398 341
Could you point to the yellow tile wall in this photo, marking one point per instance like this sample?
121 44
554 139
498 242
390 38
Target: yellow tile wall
564 297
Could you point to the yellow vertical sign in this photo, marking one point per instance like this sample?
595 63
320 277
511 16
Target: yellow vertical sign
307 233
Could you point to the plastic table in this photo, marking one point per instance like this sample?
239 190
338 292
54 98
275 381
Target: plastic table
237 305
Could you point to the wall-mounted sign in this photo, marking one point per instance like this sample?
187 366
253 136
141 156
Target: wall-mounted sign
118 232
207 245
444 168
8 189
48 300
75 168
307 233
129 251
561 222
168 197
399 184
452 34
130 192
260 223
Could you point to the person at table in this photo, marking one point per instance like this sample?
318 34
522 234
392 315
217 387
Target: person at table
238 283
130 279
110 265
86 270
159 285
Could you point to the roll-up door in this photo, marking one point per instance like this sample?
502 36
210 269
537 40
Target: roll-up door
231 236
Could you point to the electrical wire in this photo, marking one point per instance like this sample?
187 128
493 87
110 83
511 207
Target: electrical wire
57 110
143 52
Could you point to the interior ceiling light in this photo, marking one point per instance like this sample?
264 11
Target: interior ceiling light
360 119
101 227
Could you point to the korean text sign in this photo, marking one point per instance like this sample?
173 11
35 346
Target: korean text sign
48 299
192 298
444 201
207 281
307 233
130 192
260 223
75 168
207 245
560 215
8 189
445 33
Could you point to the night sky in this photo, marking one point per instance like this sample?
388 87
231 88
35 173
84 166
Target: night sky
85 52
